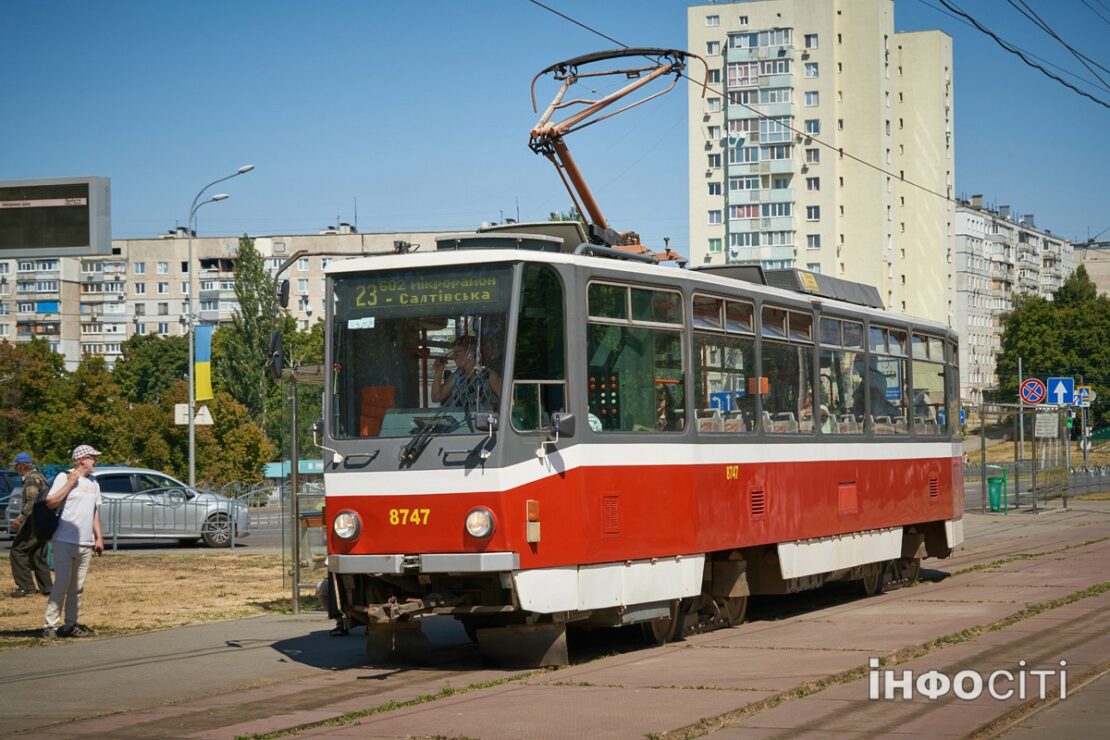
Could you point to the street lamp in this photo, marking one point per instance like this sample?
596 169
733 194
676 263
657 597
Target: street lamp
190 224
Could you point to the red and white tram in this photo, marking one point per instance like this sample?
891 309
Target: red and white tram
528 434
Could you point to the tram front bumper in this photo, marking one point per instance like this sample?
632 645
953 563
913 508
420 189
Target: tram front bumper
461 562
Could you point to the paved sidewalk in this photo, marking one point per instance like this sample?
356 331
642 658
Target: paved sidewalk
260 675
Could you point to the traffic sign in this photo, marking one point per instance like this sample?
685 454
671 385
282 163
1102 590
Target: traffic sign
1032 391
1083 396
1060 391
1046 426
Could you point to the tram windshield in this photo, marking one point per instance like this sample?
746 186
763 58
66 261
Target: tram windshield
413 349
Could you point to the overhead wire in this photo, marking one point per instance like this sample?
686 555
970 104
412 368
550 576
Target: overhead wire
1028 53
1023 7
839 150
1097 12
1013 50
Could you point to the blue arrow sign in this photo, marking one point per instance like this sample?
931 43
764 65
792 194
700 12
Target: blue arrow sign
1060 391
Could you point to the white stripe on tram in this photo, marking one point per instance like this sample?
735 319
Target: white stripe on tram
482 480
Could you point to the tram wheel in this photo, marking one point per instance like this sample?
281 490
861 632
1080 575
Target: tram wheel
734 610
661 631
874 579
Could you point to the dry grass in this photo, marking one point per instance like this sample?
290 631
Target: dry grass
132 592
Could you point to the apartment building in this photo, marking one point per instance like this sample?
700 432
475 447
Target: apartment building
998 256
824 142
91 305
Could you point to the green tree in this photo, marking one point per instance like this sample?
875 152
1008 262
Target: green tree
571 214
239 350
84 407
149 365
1064 336
27 374
234 448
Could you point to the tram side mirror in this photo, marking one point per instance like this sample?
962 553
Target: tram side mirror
283 294
487 421
274 359
563 423
318 430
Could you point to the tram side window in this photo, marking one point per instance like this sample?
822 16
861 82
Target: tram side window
724 366
841 376
788 395
635 372
539 376
930 414
886 381
952 388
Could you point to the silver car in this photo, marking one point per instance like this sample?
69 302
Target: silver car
138 503
145 504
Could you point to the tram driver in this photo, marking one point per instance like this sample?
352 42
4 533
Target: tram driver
469 385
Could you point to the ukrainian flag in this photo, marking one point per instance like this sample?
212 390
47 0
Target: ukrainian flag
202 370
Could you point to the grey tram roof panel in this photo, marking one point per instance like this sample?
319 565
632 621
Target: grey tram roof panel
801 281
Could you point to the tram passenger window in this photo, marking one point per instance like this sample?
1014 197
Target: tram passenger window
539 388
789 386
886 377
656 306
739 317
773 323
636 378
707 312
929 415
840 380
723 367
605 301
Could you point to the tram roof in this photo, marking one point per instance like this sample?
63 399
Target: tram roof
705 279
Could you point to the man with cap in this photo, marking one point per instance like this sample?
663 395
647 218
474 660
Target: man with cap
78 536
28 553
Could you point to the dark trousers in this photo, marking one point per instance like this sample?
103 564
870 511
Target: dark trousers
28 558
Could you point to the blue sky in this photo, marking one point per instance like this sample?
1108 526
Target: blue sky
420 112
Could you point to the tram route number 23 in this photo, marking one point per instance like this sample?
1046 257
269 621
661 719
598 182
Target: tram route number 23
732 472
398 517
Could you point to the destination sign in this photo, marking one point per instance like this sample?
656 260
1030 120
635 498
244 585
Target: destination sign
415 293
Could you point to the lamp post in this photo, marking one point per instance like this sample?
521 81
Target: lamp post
191 317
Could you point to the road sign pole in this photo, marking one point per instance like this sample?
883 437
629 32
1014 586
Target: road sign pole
1067 454
1021 416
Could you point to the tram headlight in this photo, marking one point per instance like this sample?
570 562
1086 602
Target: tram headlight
347 525
479 523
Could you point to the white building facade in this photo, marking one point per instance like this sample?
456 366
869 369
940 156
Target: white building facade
817 119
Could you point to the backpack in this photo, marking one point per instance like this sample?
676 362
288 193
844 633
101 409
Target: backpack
44 520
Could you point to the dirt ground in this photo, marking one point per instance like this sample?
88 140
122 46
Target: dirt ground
133 592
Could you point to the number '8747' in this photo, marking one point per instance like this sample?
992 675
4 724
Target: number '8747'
398 517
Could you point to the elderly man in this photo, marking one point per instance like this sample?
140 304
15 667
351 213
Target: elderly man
28 554
78 537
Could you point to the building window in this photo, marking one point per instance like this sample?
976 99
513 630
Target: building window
714 77
811 40
714 246
163 268
714 132
139 268
713 48
184 268
813 213
813 156
814 267
163 329
302 264
811 69
813 183
714 188
743 20
712 20
302 286
140 329
715 217
163 288
185 287
813 241
813 126
812 98
713 105
742 74
140 288
714 161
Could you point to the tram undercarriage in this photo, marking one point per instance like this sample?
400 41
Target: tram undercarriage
490 606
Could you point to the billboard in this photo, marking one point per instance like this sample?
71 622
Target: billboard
62 217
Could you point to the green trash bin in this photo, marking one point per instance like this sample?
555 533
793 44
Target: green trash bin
996 489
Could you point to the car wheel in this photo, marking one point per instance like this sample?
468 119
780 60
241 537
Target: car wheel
217 531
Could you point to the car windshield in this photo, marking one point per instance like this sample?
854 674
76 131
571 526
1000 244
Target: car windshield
413 349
